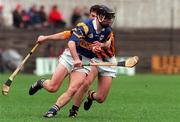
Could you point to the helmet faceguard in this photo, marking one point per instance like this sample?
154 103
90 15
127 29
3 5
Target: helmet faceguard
105 16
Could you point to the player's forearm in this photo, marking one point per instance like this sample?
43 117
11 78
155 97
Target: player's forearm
100 45
56 37
72 48
107 44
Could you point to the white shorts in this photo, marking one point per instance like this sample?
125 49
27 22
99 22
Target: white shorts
67 60
106 70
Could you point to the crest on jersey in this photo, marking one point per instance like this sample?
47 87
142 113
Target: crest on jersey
90 35
101 37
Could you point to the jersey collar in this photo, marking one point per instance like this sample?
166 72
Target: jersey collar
95 26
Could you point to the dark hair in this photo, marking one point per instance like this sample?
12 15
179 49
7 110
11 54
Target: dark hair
94 8
106 11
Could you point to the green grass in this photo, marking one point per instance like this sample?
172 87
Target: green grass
140 98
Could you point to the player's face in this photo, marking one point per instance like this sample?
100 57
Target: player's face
108 20
92 15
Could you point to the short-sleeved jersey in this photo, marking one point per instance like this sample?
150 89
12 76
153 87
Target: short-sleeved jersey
108 52
67 34
85 34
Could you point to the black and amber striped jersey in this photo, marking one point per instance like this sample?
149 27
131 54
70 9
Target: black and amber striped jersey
107 52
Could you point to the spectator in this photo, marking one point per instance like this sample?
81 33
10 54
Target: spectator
1 16
17 18
25 19
35 20
43 16
76 16
55 17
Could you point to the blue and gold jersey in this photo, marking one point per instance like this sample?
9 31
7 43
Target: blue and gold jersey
85 34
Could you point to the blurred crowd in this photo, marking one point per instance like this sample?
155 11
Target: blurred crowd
33 18
37 17
1 16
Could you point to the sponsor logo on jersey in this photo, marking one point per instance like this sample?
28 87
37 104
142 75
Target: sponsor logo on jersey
90 35
101 37
85 44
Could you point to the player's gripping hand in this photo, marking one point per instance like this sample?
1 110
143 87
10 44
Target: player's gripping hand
41 39
96 43
96 46
78 63
96 49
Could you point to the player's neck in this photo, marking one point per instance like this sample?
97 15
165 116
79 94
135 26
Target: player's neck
99 27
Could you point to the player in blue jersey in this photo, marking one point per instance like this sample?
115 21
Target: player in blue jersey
80 41
105 75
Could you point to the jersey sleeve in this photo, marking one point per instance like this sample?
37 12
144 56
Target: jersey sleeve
67 34
110 37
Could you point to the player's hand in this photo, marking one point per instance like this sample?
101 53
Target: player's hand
96 43
77 63
96 49
41 39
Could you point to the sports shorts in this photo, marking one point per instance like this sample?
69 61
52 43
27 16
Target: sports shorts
106 70
67 60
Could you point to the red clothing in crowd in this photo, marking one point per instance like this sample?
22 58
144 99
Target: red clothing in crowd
55 15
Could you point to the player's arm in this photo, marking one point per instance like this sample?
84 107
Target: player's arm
74 54
107 44
98 45
77 34
54 37
104 45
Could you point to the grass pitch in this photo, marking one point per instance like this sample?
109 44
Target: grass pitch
140 98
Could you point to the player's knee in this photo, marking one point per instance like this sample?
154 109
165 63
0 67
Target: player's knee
53 88
100 99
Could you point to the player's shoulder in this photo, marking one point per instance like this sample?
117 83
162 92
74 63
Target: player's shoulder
85 25
108 30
